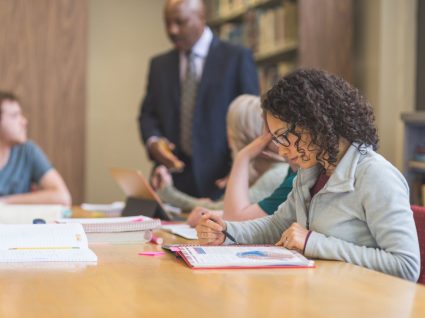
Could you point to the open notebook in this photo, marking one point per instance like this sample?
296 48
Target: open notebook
242 256
44 243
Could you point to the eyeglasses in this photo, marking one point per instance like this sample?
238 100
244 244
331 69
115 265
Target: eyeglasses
280 139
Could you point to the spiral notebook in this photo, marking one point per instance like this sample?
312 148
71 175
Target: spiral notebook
242 256
120 224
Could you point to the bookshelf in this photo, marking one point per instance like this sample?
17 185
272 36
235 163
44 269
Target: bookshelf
414 154
285 34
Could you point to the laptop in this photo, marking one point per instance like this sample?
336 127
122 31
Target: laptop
141 197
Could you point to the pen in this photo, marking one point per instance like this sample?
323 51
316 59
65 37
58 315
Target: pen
227 234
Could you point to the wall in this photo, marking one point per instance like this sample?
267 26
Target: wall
123 35
385 33
43 48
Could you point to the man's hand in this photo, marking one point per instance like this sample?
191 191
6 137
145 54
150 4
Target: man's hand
161 151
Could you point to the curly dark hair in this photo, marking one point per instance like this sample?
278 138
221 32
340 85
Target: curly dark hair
325 106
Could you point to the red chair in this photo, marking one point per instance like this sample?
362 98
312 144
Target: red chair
419 216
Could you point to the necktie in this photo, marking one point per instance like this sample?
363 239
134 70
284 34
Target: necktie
187 107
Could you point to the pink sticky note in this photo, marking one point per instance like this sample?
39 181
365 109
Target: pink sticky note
152 253
138 220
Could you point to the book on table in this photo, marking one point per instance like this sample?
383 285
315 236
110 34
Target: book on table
120 230
241 256
44 243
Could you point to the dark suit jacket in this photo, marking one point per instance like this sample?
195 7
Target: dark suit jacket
229 71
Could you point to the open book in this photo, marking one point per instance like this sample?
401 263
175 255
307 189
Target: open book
132 229
242 256
44 243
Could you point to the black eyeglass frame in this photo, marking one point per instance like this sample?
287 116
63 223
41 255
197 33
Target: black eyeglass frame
276 138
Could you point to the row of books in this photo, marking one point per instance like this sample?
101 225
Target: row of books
269 74
220 8
264 30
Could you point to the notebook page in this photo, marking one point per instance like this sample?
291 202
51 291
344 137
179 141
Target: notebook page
42 235
183 230
242 256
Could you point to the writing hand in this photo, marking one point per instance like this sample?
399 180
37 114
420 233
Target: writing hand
196 214
210 229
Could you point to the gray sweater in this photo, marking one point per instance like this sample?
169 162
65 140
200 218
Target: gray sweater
362 216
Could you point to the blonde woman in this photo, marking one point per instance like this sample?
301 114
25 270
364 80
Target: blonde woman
266 172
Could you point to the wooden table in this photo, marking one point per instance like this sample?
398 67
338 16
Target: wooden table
124 284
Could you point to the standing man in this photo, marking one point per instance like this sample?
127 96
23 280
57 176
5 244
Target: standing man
183 115
22 163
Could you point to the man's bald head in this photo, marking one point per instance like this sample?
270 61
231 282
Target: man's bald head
184 22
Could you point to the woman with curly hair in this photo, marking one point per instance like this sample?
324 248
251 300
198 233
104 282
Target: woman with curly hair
348 203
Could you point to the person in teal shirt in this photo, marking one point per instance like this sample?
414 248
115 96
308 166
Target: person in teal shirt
271 203
237 206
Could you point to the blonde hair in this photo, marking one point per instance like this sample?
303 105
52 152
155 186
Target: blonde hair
244 120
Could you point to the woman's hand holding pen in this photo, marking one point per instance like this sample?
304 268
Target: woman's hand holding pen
196 214
294 238
210 229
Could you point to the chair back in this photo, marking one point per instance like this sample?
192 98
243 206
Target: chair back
419 216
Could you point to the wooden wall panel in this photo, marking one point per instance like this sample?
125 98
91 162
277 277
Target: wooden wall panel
43 47
326 35
420 58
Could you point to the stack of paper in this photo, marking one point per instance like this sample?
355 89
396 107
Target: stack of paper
44 243
133 229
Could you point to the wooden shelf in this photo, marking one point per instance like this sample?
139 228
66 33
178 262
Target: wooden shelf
414 117
417 165
288 47
237 14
